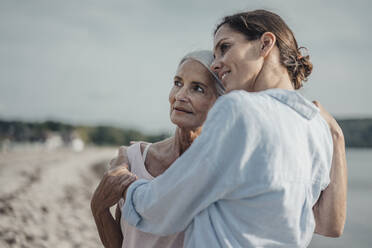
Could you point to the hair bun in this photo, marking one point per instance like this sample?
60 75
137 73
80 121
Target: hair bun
303 68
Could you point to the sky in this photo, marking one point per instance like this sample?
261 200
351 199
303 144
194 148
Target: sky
112 62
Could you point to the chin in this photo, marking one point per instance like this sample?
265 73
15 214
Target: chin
182 124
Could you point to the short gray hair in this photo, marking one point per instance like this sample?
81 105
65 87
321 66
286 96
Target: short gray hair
205 57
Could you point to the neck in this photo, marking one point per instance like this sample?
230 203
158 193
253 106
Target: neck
183 138
167 151
272 75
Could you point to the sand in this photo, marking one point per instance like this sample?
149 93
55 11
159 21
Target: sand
45 196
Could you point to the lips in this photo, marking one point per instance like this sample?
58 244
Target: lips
181 109
223 74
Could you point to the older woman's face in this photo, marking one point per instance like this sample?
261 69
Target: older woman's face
237 60
192 95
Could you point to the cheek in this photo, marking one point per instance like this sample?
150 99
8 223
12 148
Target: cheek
248 70
204 106
172 93
171 100
251 62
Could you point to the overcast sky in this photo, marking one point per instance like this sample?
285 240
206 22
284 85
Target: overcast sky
112 62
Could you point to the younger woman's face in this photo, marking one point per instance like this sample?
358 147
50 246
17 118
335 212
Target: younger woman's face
237 60
192 95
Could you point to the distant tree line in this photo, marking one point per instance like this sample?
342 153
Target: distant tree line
19 131
357 132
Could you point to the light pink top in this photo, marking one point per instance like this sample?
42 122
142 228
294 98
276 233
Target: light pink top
132 237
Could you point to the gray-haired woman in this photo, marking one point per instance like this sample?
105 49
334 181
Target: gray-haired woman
195 89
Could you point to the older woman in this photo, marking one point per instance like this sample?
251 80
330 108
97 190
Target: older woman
194 92
252 177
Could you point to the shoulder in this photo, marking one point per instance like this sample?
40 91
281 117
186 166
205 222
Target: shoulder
240 99
232 98
226 105
233 113
121 158
240 104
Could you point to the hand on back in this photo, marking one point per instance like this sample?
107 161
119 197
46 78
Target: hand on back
332 123
114 182
121 159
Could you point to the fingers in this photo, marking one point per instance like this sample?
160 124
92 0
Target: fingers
331 121
126 185
112 186
316 103
126 166
121 159
323 112
122 151
112 163
320 106
118 170
119 165
137 141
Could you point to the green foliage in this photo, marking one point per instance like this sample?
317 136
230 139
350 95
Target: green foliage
357 132
101 135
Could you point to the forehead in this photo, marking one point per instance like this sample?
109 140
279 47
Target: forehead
193 70
224 33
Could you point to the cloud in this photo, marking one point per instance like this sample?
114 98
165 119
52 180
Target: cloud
93 62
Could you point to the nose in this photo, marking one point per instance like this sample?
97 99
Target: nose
216 66
181 95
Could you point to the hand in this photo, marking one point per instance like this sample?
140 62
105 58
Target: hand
332 123
121 159
111 188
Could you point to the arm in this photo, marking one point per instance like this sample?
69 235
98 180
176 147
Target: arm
200 177
109 192
108 229
330 209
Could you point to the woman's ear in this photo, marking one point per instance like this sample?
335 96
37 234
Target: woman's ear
267 41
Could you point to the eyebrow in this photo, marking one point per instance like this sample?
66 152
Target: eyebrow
219 43
195 82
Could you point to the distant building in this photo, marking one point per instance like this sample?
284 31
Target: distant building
77 144
53 141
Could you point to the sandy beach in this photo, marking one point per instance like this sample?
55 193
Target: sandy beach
45 196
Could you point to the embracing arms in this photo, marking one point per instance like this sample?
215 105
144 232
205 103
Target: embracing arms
190 187
330 209
108 193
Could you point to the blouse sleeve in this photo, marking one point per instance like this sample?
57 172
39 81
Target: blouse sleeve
207 171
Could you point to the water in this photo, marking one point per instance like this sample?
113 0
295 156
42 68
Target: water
358 228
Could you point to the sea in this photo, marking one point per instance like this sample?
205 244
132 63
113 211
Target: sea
358 227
